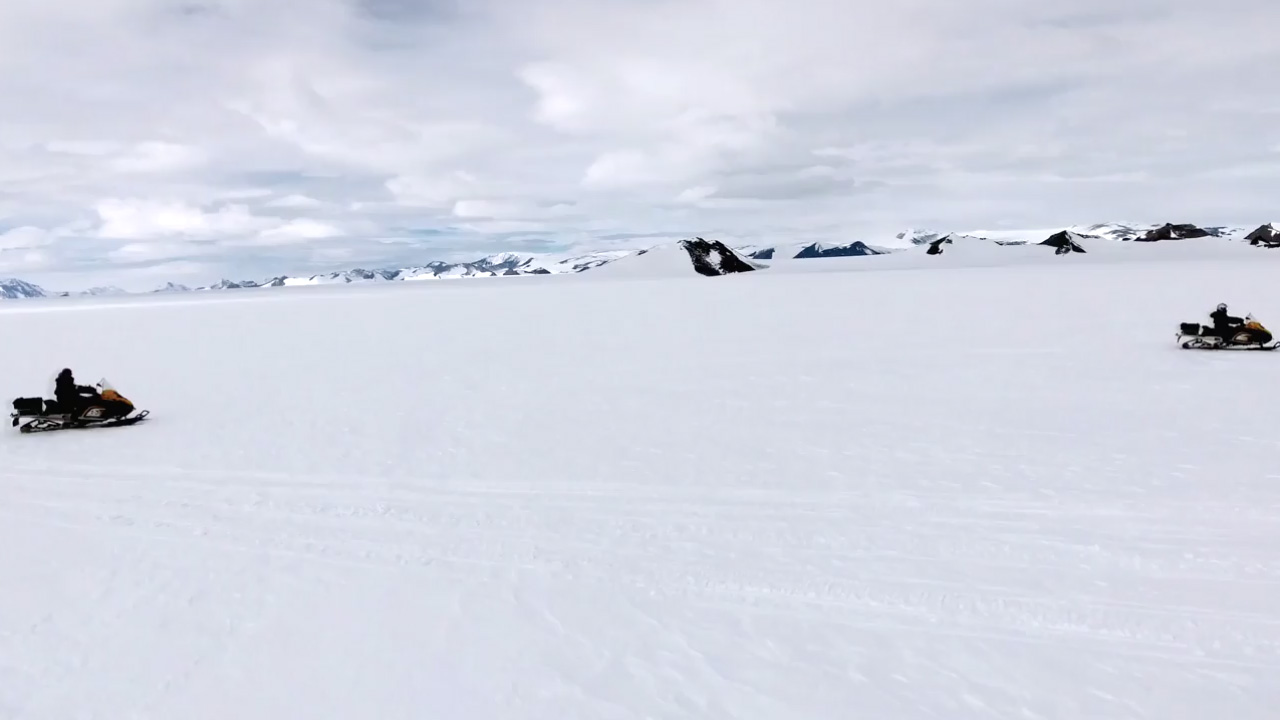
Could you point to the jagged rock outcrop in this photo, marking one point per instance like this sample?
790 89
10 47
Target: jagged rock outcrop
1066 242
854 249
1178 231
1265 236
712 257
938 246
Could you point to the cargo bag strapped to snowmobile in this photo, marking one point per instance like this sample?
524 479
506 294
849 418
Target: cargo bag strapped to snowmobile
28 407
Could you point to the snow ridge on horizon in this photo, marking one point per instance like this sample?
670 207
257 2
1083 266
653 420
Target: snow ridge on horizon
509 263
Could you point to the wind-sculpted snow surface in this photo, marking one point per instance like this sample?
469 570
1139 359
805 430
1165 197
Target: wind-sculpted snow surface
909 493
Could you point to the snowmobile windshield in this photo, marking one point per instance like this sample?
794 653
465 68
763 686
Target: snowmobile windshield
105 385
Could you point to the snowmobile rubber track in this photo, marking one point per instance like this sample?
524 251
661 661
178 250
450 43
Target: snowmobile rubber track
45 424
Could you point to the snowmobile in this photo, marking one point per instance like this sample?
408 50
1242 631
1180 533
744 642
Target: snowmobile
106 408
1252 335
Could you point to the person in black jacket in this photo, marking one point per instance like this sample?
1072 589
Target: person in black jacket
1224 324
70 396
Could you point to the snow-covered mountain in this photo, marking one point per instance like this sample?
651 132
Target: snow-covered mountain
854 249
940 245
914 236
13 288
345 276
1153 233
99 292
1180 231
756 252
500 265
508 264
805 251
1109 231
554 265
682 258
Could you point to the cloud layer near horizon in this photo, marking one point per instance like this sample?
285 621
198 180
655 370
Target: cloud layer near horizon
147 140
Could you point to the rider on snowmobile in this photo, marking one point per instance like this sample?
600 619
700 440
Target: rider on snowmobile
69 395
1223 323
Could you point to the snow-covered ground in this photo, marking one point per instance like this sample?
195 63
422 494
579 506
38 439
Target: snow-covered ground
881 491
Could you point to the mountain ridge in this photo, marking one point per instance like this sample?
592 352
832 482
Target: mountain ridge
508 264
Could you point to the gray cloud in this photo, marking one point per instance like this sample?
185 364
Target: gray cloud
246 137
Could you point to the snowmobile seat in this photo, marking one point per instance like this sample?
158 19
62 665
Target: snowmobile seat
1190 329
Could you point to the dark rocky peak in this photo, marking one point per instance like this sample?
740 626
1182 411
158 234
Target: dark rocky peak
233 285
712 257
1265 236
1178 231
854 249
937 246
1066 242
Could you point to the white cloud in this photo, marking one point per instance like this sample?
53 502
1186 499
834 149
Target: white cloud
24 261
493 209
438 191
158 157
126 219
820 119
295 200
27 237
142 252
297 231
82 147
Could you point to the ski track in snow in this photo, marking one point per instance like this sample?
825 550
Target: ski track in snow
912 494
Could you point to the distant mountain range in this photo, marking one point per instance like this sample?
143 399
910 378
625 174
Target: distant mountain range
515 264
502 264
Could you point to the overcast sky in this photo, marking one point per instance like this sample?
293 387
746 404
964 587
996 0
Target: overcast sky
148 140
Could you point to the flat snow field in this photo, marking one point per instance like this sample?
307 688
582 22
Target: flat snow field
992 492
